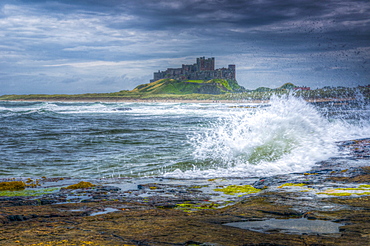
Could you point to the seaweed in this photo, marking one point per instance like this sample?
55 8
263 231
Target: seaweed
291 184
12 185
33 192
80 185
233 189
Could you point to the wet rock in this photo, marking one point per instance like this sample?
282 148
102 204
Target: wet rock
80 185
12 185
107 189
16 218
123 109
165 213
354 175
139 223
263 183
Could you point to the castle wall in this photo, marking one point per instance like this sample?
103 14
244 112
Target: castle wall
204 69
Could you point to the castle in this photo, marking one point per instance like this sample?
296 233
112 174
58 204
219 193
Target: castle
204 69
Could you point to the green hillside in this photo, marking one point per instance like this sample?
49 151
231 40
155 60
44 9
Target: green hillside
169 89
172 86
287 86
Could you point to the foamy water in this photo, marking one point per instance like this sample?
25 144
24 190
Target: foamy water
177 140
289 136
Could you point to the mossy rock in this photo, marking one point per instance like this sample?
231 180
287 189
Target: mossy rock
291 184
190 207
233 189
12 185
81 185
28 192
360 191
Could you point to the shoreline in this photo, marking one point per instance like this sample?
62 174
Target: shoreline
163 212
171 100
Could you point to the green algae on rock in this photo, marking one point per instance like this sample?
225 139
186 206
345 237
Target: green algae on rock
233 189
31 192
291 184
360 191
364 186
189 207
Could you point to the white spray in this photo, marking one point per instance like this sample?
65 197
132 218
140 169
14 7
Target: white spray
288 136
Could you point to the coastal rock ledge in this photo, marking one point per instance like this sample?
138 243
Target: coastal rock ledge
134 212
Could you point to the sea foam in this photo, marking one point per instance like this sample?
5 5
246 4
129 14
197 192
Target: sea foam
288 136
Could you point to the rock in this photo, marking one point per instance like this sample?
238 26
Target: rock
12 185
192 212
123 109
15 218
81 185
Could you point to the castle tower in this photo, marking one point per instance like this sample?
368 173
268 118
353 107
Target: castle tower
204 64
232 71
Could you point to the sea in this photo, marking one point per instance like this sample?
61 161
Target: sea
174 140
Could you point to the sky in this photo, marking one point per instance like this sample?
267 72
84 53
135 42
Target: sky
90 46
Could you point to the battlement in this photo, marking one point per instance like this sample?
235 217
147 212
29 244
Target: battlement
204 69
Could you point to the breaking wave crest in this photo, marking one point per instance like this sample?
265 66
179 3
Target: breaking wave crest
290 135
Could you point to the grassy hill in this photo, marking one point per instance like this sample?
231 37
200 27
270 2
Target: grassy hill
177 87
169 89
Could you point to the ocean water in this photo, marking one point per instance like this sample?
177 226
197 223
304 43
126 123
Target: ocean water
174 140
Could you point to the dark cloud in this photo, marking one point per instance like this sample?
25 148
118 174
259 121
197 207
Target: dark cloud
270 41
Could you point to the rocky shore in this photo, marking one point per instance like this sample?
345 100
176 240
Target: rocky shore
328 205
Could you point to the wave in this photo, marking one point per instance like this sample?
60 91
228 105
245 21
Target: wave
141 109
191 140
289 136
20 108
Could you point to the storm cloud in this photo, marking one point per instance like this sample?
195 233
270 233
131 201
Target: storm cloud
78 46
